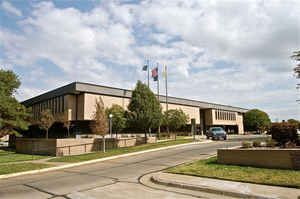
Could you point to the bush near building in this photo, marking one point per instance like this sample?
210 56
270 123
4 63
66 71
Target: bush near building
175 119
118 119
284 132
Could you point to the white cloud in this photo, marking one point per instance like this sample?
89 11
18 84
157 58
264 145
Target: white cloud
231 52
11 9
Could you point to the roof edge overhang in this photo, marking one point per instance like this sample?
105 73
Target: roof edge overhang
80 87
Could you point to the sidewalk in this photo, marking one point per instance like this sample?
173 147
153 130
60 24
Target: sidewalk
223 187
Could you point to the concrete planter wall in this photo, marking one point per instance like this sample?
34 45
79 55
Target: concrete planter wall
267 158
72 146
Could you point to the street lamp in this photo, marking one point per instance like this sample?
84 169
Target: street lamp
110 125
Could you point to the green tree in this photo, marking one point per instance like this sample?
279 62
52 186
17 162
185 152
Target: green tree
256 120
145 108
296 57
177 119
101 124
46 120
293 121
119 119
13 115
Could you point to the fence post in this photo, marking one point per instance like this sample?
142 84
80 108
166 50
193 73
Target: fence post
69 150
85 148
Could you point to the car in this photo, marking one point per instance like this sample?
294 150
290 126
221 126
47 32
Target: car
216 133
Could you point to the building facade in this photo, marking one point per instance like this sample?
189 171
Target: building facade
77 101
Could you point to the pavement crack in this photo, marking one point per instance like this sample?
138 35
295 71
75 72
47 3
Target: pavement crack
40 190
95 187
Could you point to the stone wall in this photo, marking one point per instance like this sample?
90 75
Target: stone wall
71 146
36 146
267 158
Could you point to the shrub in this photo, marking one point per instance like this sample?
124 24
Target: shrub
271 143
257 144
284 132
246 145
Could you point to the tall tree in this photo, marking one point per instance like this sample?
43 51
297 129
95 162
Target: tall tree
13 115
145 108
46 120
296 57
256 120
119 119
101 124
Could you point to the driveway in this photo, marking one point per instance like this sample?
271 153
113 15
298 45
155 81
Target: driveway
118 178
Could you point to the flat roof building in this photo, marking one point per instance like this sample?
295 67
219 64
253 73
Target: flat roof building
78 101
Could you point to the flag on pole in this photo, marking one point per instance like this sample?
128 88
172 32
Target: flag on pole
165 74
155 74
145 67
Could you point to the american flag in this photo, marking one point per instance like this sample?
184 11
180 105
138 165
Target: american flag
155 74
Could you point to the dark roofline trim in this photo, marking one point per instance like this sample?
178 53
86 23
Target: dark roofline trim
72 87
196 101
63 90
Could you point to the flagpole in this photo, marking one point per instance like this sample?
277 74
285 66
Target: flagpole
148 71
158 83
158 96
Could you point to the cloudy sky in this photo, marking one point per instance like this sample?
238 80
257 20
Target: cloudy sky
228 51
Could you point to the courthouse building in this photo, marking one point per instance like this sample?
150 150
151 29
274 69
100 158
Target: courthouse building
78 101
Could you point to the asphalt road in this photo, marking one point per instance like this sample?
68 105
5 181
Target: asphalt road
118 178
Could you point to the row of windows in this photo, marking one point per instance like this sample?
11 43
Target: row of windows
225 115
56 105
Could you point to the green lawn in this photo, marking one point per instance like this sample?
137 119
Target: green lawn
166 137
14 168
118 151
211 169
11 156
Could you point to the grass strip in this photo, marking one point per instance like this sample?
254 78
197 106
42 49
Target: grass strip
211 169
11 156
118 151
14 168
6 157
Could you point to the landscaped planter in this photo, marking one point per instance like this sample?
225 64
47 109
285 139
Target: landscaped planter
261 157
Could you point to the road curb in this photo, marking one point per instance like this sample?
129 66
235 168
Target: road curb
5 176
157 180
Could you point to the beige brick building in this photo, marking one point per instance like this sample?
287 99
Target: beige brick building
78 100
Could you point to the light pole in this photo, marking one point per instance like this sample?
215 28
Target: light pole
110 125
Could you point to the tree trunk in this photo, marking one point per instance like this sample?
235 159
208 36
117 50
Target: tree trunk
47 134
103 144
175 135
68 132
145 137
